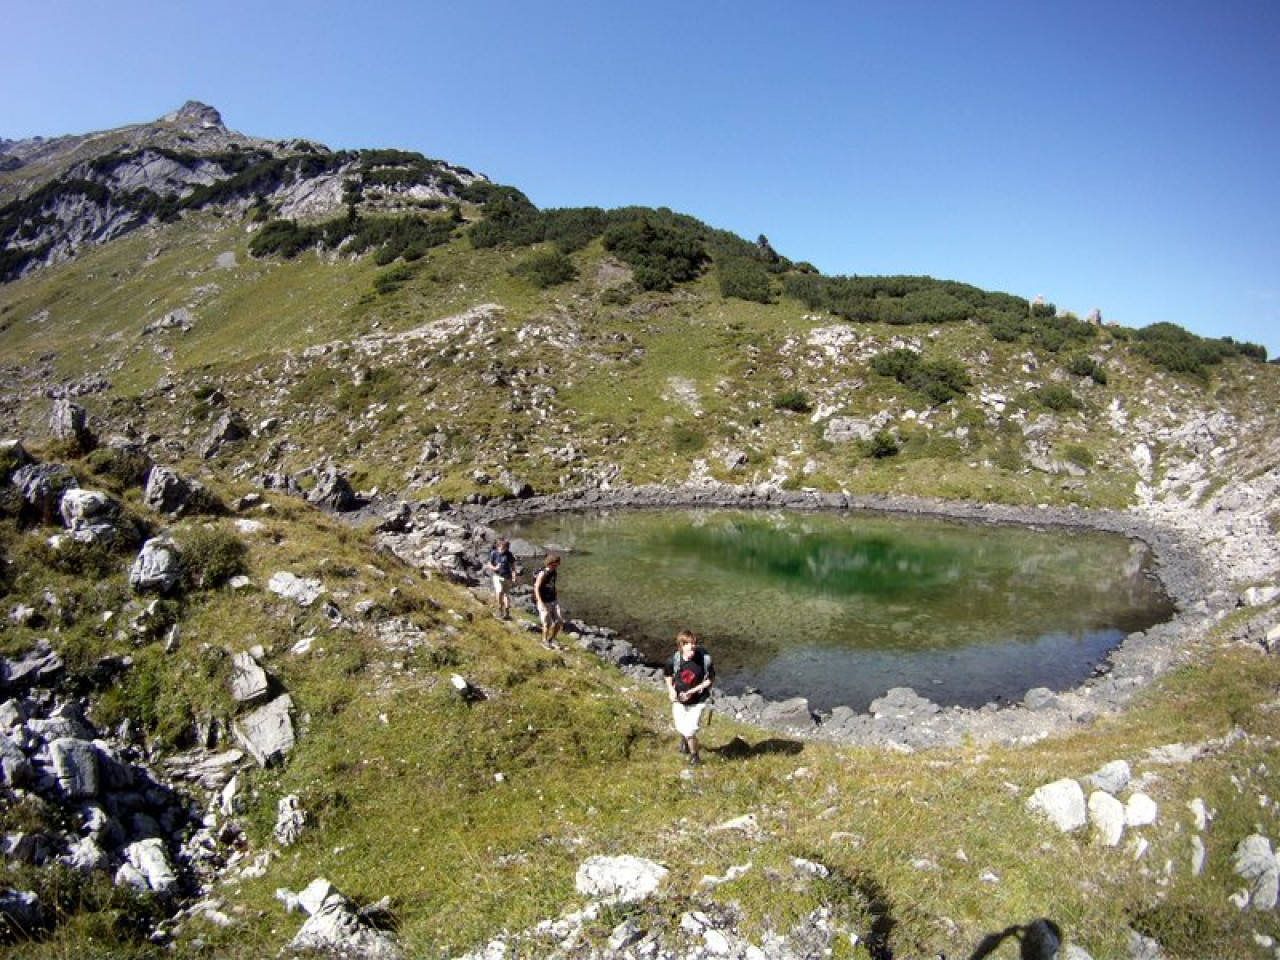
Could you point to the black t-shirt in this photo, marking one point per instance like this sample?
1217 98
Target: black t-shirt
545 584
687 674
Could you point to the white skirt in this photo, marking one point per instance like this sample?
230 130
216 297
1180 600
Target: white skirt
687 717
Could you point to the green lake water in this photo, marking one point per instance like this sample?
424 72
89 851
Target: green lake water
839 608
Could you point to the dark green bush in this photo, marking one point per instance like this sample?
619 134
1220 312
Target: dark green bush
211 556
660 255
122 468
744 278
546 268
882 444
1179 351
1056 396
939 381
1083 366
797 401
389 281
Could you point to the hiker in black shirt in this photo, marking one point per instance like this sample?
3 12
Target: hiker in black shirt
544 595
689 675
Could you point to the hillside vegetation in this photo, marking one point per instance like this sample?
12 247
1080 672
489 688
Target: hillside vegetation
258 316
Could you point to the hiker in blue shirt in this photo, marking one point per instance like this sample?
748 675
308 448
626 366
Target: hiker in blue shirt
689 675
502 564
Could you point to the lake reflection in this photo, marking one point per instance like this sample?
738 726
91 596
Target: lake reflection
839 608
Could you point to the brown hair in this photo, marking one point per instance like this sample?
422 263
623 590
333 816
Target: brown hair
684 635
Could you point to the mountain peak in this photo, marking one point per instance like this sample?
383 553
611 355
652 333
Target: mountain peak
196 114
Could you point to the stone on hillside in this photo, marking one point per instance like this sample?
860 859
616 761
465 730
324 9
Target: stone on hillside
852 429
791 714
167 492
290 820
1255 863
1140 811
1040 698
85 856
42 486
37 666
20 912
902 703
333 926
1106 813
158 566
1062 802
75 765
227 431
1259 596
89 515
249 683
333 492
1111 777
15 768
396 520
68 421
302 591
267 733
179 319
147 867
622 879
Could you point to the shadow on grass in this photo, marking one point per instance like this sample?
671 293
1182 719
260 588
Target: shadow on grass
1038 940
739 749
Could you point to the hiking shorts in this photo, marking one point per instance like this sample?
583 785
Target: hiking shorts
687 717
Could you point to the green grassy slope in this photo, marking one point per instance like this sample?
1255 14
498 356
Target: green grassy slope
473 817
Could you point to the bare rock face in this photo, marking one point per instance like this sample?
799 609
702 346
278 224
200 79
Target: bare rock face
157 567
196 114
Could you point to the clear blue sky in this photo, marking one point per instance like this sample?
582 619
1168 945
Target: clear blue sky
1122 155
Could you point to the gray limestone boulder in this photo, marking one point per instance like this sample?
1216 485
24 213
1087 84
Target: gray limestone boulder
303 591
38 666
75 765
1111 777
68 421
166 492
226 432
1106 813
790 714
1256 864
334 926
147 867
267 733
41 486
157 567
249 682
90 515
333 492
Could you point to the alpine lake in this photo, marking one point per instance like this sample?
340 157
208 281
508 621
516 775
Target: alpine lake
841 607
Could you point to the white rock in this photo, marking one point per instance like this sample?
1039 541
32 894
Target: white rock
1140 811
1062 802
1106 813
1112 777
625 879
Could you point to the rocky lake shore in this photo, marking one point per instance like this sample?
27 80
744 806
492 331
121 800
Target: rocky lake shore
456 539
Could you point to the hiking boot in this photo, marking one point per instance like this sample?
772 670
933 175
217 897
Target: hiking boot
693 760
